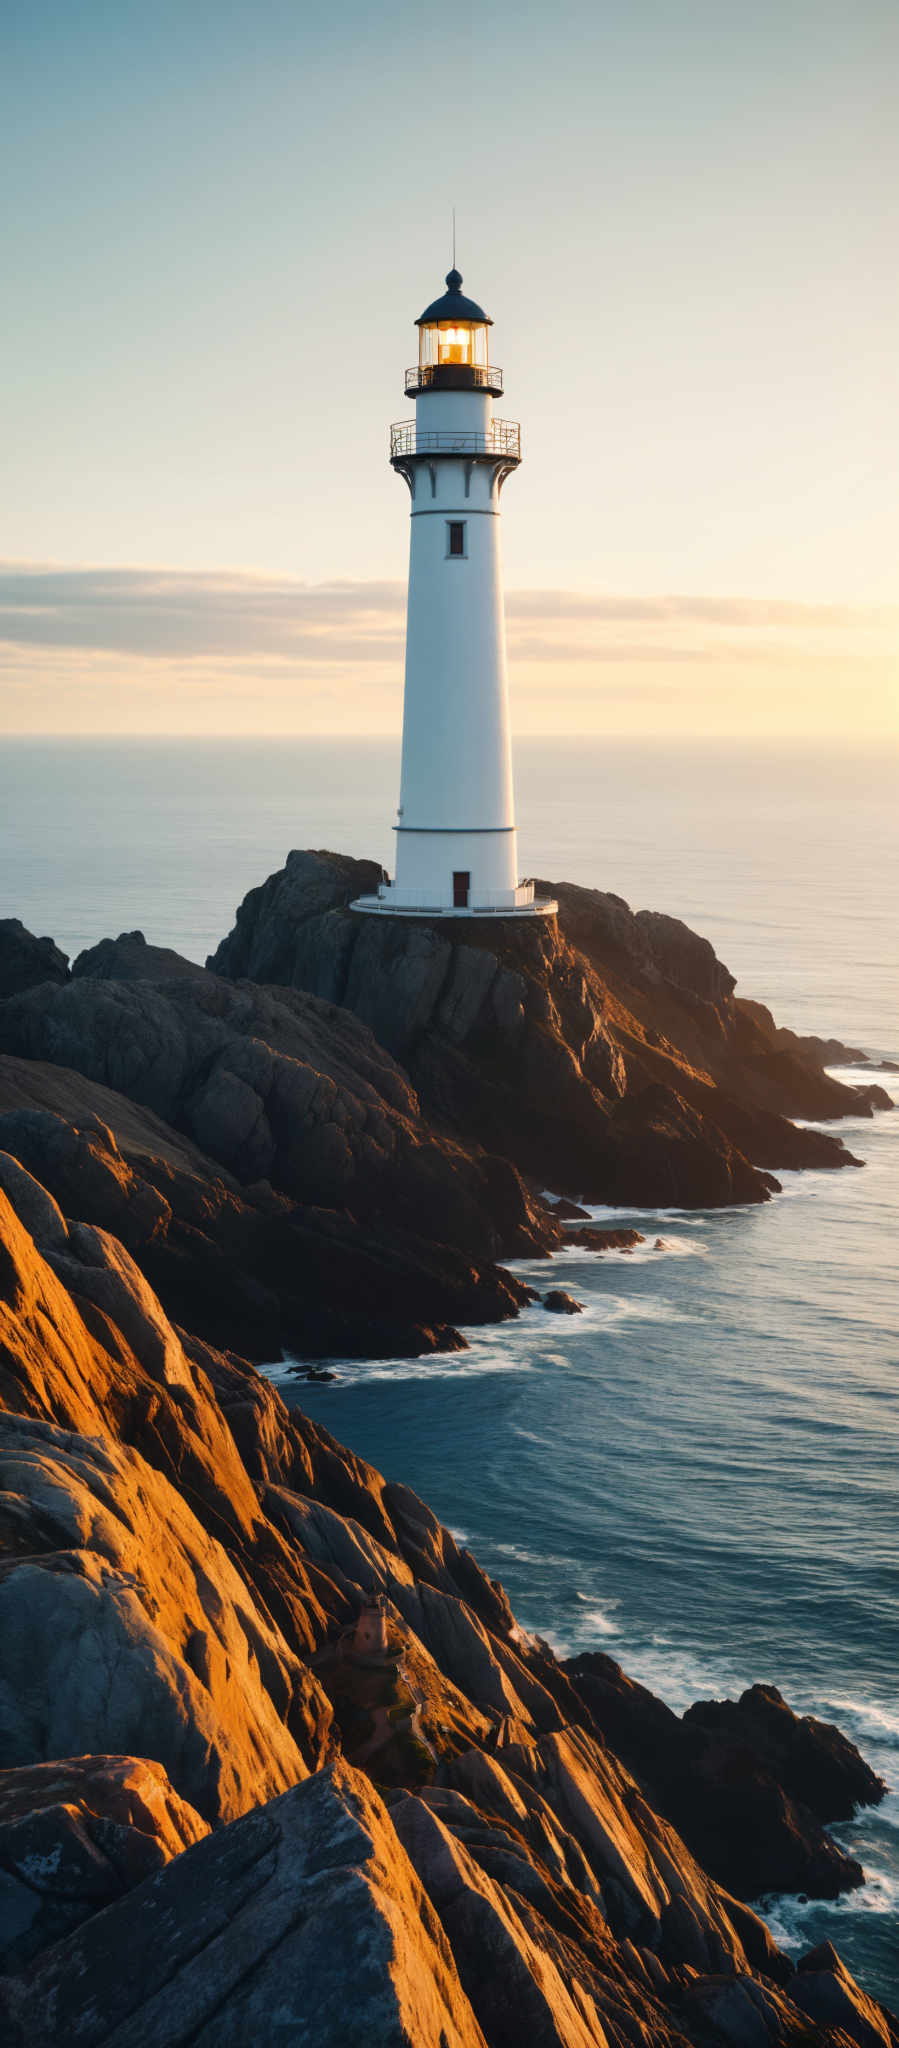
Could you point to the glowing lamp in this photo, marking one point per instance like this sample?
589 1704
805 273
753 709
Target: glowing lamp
452 333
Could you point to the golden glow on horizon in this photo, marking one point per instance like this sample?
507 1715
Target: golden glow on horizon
144 651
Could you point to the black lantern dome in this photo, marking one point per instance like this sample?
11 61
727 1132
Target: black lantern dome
453 307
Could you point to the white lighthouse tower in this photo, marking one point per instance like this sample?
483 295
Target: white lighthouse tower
456 841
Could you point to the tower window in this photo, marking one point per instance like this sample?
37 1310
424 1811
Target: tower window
455 542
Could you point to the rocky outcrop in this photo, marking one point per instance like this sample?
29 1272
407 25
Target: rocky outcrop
595 1238
268 943
824 1989
25 961
76 1834
304 1922
822 1052
321 1214
749 1784
336 1165
602 1053
561 1304
129 958
184 1562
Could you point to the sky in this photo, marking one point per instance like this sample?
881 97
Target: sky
220 223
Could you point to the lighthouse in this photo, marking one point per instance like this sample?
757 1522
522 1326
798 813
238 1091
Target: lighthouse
456 844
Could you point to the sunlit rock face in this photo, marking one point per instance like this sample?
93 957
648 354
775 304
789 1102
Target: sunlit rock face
303 1922
77 1834
748 1783
192 1845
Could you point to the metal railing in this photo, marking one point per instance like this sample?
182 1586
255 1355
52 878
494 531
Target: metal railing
472 376
542 906
502 437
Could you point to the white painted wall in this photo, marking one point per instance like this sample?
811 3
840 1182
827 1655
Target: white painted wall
457 765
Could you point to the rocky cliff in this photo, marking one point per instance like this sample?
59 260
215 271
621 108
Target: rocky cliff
220 1822
329 1139
602 1052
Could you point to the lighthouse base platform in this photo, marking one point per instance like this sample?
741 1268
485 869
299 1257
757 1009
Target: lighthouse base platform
517 903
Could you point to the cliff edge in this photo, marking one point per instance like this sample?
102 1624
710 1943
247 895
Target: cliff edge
278 1763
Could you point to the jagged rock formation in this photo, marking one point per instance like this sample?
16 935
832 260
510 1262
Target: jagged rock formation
129 958
266 1162
182 1559
336 1165
26 961
822 1052
603 1054
748 1784
76 1834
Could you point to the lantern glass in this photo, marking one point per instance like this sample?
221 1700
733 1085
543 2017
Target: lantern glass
462 342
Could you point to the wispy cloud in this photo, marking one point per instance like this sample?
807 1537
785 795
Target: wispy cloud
157 649
164 613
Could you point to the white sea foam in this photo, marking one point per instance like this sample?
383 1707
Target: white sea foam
480 1358
881 1724
597 1620
440 1365
539 1557
787 1917
636 1255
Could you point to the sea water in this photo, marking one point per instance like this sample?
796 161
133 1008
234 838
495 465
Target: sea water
697 1474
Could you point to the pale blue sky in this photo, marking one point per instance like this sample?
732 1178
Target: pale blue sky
221 222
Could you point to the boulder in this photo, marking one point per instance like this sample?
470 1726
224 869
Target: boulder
597 1239
76 1834
561 1304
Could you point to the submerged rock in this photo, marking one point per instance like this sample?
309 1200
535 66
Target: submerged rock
595 1239
561 1304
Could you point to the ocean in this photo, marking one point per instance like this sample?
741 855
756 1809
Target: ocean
698 1474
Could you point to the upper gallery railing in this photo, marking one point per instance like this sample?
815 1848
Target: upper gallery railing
502 437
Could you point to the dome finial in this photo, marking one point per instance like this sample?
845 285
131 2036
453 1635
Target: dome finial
454 279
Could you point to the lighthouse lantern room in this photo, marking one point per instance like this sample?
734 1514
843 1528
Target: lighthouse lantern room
456 850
